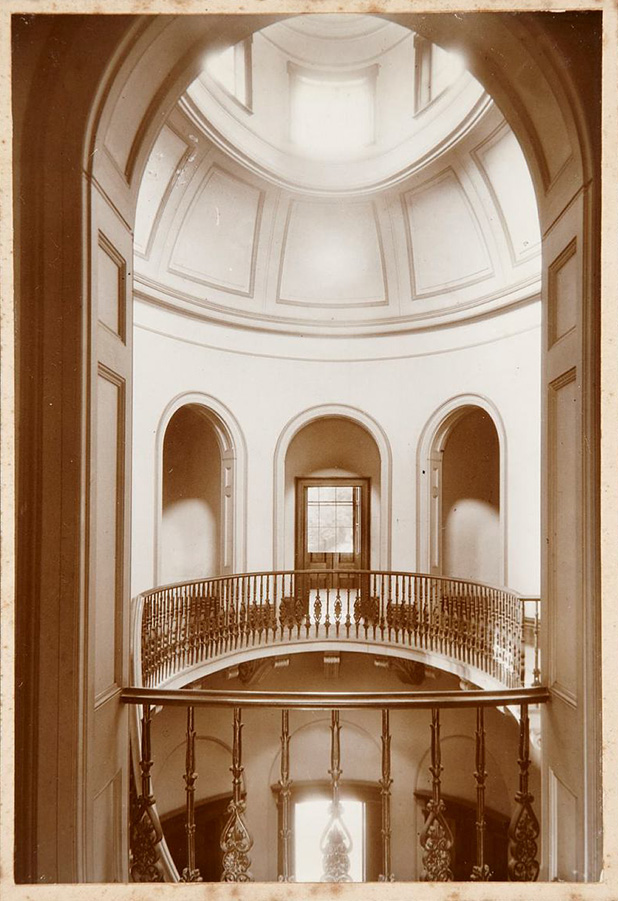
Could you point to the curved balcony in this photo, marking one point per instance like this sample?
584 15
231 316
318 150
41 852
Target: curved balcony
185 631
473 630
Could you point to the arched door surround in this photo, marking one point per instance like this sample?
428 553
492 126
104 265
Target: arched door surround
429 480
381 540
232 449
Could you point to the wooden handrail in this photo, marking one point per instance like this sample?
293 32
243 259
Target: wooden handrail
318 700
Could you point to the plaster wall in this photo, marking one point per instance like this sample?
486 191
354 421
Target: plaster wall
399 382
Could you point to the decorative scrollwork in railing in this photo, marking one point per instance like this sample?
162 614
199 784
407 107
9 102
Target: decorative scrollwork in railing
236 842
145 863
145 828
185 625
436 837
524 829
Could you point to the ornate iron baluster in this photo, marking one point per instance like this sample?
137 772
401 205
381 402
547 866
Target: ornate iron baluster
524 827
481 871
190 872
285 784
436 837
336 842
536 672
235 839
385 792
338 607
146 830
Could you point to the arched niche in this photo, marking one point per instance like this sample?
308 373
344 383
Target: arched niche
125 74
192 503
312 435
219 485
477 476
472 545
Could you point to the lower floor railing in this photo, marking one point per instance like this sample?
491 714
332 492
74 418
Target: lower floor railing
150 861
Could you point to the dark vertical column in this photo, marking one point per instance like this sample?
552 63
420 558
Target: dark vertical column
481 871
236 841
285 784
385 792
190 873
524 828
436 837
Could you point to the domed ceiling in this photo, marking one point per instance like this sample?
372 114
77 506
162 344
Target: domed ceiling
339 174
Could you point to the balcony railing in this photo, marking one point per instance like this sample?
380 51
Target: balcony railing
181 627
150 858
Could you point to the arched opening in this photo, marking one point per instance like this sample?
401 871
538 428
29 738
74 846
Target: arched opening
470 503
462 488
333 441
192 499
555 122
323 465
197 467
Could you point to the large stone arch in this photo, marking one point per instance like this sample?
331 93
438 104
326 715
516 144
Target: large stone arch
99 89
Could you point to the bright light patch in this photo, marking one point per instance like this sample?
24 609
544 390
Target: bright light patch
332 116
446 68
231 68
221 66
311 818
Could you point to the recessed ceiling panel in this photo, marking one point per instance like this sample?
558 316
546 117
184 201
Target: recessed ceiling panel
332 255
447 246
504 168
217 239
162 164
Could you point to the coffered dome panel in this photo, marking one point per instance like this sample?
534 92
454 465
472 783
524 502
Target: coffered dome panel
216 240
332 255
447 247
158 177
449 235
503 167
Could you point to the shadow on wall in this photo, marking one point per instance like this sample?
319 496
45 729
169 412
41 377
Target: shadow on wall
191 515
471 500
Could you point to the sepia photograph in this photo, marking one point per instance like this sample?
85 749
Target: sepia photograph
307 452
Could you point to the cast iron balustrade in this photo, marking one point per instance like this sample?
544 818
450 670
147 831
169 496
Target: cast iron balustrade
181 627
151 861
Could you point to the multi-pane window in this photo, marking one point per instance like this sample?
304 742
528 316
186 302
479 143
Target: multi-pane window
330 519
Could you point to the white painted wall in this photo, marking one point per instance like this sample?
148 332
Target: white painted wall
266 380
